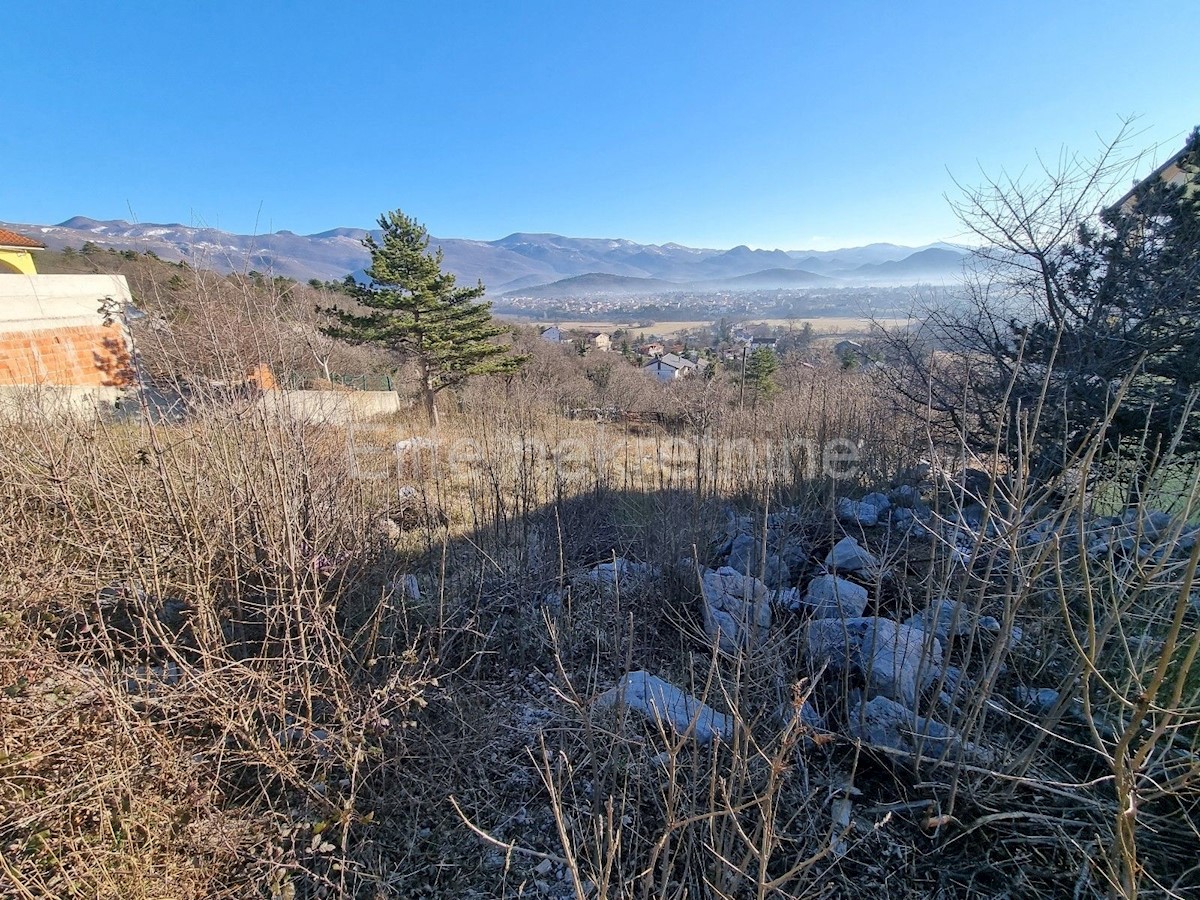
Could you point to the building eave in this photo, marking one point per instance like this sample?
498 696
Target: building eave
1154 176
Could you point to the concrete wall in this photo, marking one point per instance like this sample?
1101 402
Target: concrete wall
41 401
52 331
336 407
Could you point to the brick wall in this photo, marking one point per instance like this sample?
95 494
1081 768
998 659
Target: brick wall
54 331
80 355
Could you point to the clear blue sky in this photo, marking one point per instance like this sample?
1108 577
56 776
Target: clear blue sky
775 124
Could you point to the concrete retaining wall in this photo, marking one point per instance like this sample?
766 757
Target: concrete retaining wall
335 407
48 401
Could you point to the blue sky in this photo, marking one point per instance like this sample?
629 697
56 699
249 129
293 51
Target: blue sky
774 124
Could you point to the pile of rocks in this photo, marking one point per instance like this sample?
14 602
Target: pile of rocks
775 551
885 669
610 576
866 512
1134 534
896 662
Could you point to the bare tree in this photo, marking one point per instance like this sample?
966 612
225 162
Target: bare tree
1066 304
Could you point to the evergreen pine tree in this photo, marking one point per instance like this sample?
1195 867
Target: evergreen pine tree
416 310
760 372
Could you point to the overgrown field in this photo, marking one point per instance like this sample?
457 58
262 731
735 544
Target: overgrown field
243 656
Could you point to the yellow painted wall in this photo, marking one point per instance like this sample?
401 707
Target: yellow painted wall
12 259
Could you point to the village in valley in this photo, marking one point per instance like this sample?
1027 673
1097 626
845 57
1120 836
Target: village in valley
692 351
86 348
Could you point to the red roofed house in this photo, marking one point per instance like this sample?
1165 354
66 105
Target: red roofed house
15 255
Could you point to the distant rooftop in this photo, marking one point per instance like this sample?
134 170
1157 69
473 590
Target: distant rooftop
673 361
12 239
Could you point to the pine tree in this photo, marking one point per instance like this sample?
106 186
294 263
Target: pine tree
417 311
760 372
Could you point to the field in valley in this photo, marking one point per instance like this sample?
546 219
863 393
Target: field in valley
831 327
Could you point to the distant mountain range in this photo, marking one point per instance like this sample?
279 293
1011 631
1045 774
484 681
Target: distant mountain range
526 264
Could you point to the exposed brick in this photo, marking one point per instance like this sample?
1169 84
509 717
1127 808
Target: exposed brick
78 355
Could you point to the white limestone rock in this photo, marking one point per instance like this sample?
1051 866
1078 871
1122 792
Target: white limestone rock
847 555
661 702
897 661
944 618
831 597
620 571
746 557
736 608
835 642
1039 700
882 722
865 512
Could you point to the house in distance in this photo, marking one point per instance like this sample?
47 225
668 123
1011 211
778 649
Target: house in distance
669 366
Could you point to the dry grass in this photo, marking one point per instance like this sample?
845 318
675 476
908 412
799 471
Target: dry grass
216 682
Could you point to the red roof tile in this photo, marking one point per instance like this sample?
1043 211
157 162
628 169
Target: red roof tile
12 239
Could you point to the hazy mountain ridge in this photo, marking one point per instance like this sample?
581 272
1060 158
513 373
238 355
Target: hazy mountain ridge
919 264
522 261
600 283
